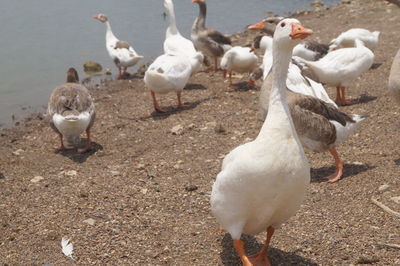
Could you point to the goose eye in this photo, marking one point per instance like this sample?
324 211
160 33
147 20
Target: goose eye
283 24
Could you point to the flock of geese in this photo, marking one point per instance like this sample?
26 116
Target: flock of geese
263 182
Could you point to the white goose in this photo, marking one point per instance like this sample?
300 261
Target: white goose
208 41
241 60
394 77
348 39
168 73
262 183
122 54
340 68
175 43
71 111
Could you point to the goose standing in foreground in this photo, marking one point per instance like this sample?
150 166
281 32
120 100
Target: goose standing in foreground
309 50
168 73
71 111
262 183
241 60
348 39
340 68
175 43
208 41
122 54
394 77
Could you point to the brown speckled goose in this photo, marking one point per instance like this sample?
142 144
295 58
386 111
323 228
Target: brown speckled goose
208 41
71 111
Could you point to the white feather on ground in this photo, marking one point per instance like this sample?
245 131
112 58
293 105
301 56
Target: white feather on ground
67 247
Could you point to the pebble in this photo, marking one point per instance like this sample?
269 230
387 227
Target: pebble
18 152
383 188
396 199
140 166
115 173
71 173
144 191
37 179
191 188
89 221
177 130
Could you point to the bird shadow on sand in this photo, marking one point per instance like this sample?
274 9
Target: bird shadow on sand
80 157
276 256
2 176
375 65
318 175
242 86
365 98
194 86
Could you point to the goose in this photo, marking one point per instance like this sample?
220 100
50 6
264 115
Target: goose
309 50
241 60
340 68
71 111
122 54
348 38
394 77
295 82
175 43
262 183
208 41
168 73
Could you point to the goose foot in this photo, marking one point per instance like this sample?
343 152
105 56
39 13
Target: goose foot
85 149
64 148
259 259
233 87
345 102
339 167
251 83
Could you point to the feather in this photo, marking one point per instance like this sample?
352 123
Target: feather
67 247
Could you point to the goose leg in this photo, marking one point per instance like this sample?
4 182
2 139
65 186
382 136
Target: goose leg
231 86
215 64
120 73
261 258
339 167
338 95
62 146
155 103
180 105
251 83
239 247
343 98
88 145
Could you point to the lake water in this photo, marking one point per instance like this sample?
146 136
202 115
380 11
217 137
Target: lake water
41 39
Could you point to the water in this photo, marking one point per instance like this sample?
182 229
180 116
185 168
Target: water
41 39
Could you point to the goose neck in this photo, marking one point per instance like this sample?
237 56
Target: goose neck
200 22
172 29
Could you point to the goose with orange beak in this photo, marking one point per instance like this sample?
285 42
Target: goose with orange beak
262 183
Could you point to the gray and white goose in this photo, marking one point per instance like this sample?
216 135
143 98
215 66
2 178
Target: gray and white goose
71 111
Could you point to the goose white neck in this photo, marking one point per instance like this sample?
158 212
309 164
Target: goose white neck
109 34
172 29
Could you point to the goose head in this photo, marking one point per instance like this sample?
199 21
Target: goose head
267 25
72 75
289 32
103 18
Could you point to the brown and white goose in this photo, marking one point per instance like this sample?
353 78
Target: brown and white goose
208 41
71 111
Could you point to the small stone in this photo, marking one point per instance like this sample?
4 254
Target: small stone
220 129
37 179
91 67
357 163
144 191
70 173
89 221
177 130
346 1
191 188
396 199
177 166
115 173
18 152
140 166
383 188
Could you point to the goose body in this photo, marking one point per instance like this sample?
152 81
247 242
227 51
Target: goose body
262 183
394 77
239 59
340 67
121 52
71 110
168 73
176 44
348 39
208 41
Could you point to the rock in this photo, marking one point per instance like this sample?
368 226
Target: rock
91 67
190 188
396 199
70 173
140 166
89 221
177 130
317 3
18 152
346 1
107 71
383 188
115 173
144 191
37 179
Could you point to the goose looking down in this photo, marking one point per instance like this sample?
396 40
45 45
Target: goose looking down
348 39
262 183
394 77
340 68
309 50
208 41
122 54
175 43
71 111
241 60
168 73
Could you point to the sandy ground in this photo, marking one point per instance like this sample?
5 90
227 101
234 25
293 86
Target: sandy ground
141 197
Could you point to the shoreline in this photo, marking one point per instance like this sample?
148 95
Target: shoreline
141 196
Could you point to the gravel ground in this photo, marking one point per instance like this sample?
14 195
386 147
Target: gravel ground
141 197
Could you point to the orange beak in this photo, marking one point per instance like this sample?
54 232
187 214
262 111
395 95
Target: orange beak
299 32
258 26
196 1
96 16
